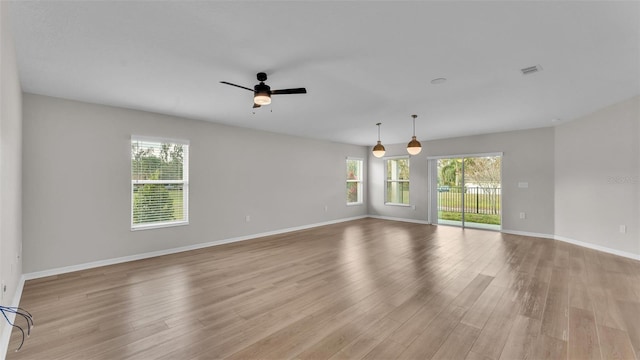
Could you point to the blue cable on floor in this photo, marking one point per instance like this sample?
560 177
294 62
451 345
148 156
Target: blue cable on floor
22 312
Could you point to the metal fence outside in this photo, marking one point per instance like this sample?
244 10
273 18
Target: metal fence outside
477 200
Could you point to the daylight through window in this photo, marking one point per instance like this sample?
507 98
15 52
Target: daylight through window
354 181
159 183
397 181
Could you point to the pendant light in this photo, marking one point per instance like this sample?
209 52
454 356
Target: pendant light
378 150
414 147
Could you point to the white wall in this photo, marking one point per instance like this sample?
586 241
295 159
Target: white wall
10 170
527 157
597 175
418 186
77 182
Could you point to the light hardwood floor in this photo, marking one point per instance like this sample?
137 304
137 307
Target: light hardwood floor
365 289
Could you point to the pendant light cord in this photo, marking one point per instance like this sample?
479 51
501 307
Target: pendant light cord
414 124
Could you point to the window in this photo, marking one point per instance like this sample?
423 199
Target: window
354 181
397 181
159 183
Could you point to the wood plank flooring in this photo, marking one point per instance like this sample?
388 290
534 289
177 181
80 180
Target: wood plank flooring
365 289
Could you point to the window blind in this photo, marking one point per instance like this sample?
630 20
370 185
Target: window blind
159 183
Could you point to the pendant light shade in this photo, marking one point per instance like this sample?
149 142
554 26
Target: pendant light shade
378 150
414 147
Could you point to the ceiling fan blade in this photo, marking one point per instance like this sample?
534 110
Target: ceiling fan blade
241 87
256 105
289 91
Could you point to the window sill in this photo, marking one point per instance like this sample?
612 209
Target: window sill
159 225
397 204
355 204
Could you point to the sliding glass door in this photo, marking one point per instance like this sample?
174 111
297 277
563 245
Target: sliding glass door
466 191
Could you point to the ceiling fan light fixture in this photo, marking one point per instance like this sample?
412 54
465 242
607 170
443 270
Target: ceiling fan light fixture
262 92
378 150
262 98
414 147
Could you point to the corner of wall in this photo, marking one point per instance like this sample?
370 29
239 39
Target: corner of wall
10 175
597 179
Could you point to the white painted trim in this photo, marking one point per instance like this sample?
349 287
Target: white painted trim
6 332
598 247
399 219
158 139
576 242
394 157
94 264
157 225
436 157
397 204
526 233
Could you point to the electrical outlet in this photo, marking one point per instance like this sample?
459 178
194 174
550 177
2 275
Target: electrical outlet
523 215
623 229
247 218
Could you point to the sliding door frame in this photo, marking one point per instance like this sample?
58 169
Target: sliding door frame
432 165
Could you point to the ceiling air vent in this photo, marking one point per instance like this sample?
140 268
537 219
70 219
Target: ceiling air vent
531 69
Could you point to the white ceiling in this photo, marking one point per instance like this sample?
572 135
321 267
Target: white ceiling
361 62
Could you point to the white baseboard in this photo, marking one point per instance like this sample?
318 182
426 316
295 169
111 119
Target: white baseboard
94 264
526 233
598 247
6 332
577 242
424 222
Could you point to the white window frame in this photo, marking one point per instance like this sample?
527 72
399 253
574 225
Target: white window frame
184 182
360 182
386 162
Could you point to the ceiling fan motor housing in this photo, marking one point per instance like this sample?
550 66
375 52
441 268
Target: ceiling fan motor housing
262 88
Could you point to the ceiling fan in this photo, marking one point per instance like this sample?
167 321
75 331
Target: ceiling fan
262 92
